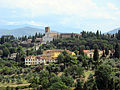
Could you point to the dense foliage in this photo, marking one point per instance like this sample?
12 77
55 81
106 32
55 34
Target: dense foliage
77 72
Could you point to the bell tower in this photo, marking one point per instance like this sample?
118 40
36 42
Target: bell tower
47 29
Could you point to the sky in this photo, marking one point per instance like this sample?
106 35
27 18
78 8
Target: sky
62 15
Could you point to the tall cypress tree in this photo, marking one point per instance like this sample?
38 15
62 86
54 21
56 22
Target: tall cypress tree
118 35
117 51
106 51
97 34
96 54
103 54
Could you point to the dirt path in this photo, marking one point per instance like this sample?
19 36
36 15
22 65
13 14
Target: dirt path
87 73
27 84
86 78
60 74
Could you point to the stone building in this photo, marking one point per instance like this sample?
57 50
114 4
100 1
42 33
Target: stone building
90 53
49 36
12 56
69 35
47 29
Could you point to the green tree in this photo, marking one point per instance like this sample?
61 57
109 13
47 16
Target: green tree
45 82
79 85
29 52
33 39
118 35
80 58
97 34
68 80
20 54
103 54
64 53
1 53
60 58
117 51
96 55
12 50
79 71
106 51
76 52
81 48
103 74
87 48
36 35
59 86
90 84
44 73
55 79
6 52
39 51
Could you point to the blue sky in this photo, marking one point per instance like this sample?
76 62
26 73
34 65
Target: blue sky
62 15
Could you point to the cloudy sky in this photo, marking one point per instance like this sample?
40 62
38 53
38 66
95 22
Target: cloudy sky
62 15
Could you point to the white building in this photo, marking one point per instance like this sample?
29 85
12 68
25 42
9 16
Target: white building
47 38
34 60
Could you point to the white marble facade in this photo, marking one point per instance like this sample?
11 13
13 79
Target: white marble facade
47 38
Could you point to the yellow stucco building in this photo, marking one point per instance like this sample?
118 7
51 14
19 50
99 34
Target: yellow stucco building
46 57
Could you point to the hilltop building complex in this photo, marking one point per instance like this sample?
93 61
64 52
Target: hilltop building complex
49 36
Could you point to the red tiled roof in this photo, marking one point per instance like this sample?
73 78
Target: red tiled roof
57 50
38 38
87 51
28 57
48 55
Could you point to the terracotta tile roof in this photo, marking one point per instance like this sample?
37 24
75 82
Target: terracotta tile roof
56 50
38 39
28 57
87 51
47 54
29 40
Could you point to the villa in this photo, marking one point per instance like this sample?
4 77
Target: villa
46 57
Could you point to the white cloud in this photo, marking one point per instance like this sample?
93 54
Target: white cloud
118 13
81 8
103 15
112 6
42 7
23 22
8 22
35 23
70 11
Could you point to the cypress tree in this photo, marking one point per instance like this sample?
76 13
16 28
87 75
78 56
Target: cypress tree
33 39
96 54
118 35
97 34
117 51
103 54
106 51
